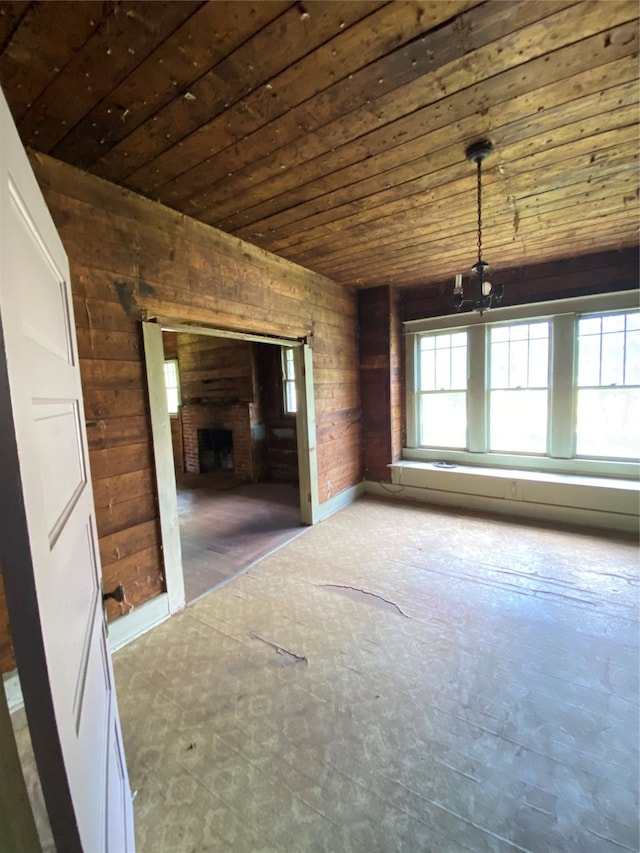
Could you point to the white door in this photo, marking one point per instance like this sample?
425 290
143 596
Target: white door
48 541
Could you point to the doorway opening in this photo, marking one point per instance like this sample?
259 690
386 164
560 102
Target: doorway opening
240 472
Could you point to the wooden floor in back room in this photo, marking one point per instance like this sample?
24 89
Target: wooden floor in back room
227 524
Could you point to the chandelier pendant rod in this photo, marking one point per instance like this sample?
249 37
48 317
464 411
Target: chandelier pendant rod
476 153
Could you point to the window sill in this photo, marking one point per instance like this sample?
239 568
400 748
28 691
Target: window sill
595 501
591 469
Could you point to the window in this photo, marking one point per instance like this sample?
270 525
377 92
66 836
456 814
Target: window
608 419
519 383
172 384
553 386
443 389
288 381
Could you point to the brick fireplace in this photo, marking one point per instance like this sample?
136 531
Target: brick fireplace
215 418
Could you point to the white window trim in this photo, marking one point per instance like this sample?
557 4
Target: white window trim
562 398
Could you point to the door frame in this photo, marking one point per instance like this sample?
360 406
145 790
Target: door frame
163 452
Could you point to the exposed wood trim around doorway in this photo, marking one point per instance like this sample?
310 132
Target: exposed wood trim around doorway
165 474
166 482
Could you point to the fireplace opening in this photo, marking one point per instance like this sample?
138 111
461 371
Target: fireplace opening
215 450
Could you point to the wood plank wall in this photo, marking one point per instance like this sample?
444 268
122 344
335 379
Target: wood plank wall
132 258
382 311
215 369
580 276
396 367
380 381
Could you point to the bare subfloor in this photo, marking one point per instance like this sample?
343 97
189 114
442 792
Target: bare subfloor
396 679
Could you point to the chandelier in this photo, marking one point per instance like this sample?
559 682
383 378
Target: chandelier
487 294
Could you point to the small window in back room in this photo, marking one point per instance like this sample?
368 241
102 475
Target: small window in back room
172 384
289 381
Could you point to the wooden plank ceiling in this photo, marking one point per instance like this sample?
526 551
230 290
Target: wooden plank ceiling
333 133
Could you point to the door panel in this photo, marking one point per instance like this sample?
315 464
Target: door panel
48 538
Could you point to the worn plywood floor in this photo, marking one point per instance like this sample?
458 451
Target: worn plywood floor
226 525
398 678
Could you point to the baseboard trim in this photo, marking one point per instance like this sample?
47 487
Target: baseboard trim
340 501
138 621
578 516
13 690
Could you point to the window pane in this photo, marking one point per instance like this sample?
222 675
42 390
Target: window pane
633 320
518 364
632 367
613 323
443 419
499 334
443 362
522 360
443 369
518 421
588 359
172 400
538 330
499 364
172 385
612 372
519 332
427 370
291 397
459 367
289 370
612 357
589 326
608 421
539 363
